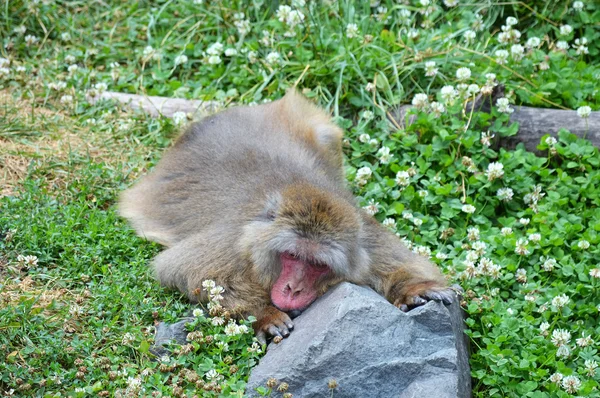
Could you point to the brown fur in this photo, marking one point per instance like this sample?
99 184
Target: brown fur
246 184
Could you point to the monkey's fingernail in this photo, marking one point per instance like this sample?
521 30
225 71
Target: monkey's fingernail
403 307
290 325
419 300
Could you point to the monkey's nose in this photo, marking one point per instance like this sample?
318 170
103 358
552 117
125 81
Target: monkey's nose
293 291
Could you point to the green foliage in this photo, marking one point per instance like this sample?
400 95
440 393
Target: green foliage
519 231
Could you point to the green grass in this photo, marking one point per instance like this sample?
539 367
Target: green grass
79 321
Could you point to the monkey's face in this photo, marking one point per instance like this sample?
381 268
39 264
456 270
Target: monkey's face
304 241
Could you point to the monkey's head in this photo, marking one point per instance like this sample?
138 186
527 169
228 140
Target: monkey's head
304 241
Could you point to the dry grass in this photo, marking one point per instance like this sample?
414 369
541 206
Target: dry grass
31 132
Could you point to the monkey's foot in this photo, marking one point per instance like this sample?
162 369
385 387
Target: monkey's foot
272 323
418 295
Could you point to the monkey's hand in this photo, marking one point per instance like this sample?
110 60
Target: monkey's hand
272 323
407 295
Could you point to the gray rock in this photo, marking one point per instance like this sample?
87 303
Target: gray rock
167 333
371 349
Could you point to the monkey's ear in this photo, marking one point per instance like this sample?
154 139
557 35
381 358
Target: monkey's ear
313 125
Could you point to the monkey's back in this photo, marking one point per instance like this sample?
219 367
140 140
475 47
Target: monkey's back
222 169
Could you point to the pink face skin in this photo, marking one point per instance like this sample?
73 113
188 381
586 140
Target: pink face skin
295 287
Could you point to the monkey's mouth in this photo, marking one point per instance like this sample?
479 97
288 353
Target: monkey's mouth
295 289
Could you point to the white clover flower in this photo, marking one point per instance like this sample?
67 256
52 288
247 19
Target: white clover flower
417 221
511 21
384 155
535 237
469 35
72 68
517 51
583 244
562 45
506 231
212 375
571 384
441 256
533 42
373 142
231 329
390 223
584 340
367 115
560 337
501 56
549 264
101 87
413 34
372 207
486 138
563 351
252 56
362 175
20 69
450 3
449 94
469 209
437 108
231 52
490 79
4 71
273 58
148 52
550 141
504 105
215 49
30 40
403 178
544 326
565 30
472 89
352 31
422 193
584 111
524 221
66 99
70 59
283 12
420 101
294 18
370 87
479 247
595 272
473 233
298 3
463 73
181 59
521 247
20 30
197 312
578 5
214 60
556 378
472 256
544 65
217 321
430 69
505 194
521 275
495 170
590 367
404 16
560 300
179 118
581 46
208 284
364 138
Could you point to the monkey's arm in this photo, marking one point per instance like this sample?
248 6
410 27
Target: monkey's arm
405 278
211 254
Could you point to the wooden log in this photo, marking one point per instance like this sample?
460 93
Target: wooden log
533 122
156 106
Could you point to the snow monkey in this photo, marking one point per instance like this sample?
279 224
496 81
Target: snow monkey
255 199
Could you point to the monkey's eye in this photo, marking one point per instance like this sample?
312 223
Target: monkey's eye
319 266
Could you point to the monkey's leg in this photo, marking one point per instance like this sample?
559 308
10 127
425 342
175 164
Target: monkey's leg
211 254
405 278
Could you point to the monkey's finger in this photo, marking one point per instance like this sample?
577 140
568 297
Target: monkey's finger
283 329
445 296
403 307
274 331
416 301
261 337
